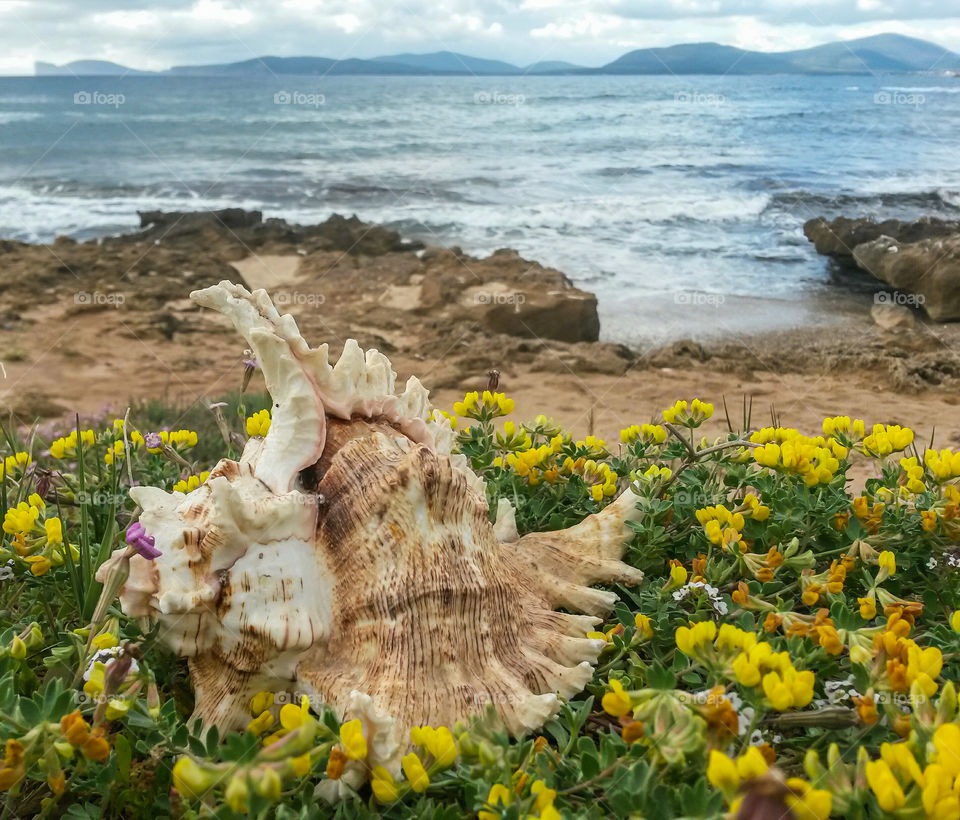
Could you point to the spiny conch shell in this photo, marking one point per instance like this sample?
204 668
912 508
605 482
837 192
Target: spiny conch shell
349 556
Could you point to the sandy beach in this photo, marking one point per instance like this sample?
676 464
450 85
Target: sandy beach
112 323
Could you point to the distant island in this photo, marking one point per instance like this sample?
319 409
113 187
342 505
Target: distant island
891 53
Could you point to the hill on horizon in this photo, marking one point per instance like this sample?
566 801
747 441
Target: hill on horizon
879 53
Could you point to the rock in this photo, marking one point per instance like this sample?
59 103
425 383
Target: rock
679 354
929 270
840 236
234 218
564 313
921 258
893 317
29 406
608 358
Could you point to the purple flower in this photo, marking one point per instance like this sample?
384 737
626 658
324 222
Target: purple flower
144 544
250 364
152 441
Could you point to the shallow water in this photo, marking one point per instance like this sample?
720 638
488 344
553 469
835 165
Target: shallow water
679 201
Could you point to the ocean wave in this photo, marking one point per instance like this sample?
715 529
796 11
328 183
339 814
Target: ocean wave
7 117
855 204
923 89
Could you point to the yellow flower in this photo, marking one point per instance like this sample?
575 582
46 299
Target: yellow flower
258 424
678 575
751 764
293 716
616 702
888 561
498 797
450 418
383 785
260 702
114 452
354 743
301 765
15 463
270 786
701 409
868 608
106 640
722 772
645 628
416 774
884 785
808 803
690 639
955 620
39 564
190 780
117 708
54 530
236 795
439 742
946 740
544 795
20 519
768 455
191 483
260 724
923 665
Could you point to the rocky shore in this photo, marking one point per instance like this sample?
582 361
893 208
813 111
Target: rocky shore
87 323
920 258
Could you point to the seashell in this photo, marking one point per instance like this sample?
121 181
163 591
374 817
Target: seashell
350 556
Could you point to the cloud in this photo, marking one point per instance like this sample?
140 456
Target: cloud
155 34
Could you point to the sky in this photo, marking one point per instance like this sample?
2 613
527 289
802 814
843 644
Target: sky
155 35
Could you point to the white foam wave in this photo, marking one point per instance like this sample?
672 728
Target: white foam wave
924 89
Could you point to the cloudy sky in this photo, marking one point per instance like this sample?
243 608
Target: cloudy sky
161 33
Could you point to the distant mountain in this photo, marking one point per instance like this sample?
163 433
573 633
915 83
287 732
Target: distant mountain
882 52
84 68
299 66
552 67
696 58
449 62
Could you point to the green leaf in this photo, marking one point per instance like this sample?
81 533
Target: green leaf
660 678
589 765
122 747
213 741
30 712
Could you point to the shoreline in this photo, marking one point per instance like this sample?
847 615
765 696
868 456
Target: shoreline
436 313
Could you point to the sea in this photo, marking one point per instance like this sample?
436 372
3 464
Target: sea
679 201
